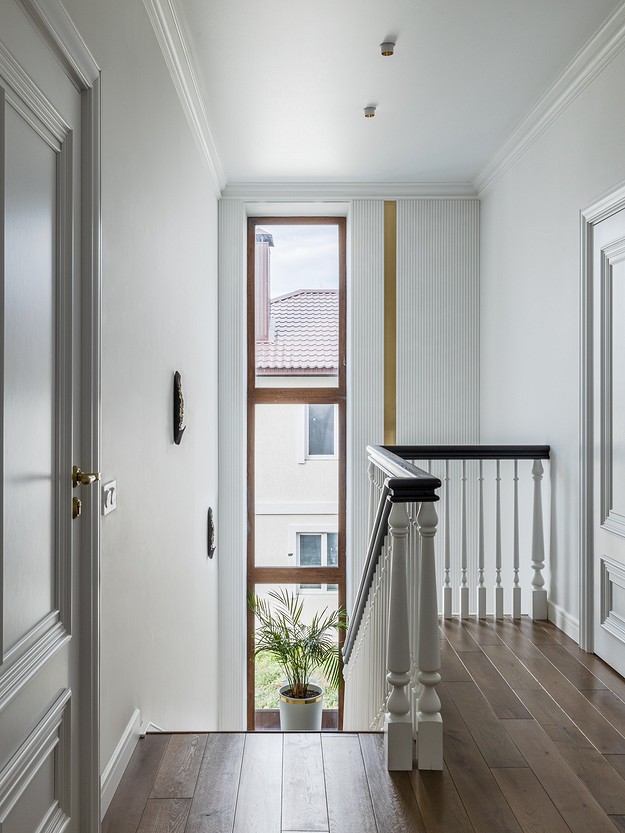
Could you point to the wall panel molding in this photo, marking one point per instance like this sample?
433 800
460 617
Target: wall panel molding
365 377
50 737
232 512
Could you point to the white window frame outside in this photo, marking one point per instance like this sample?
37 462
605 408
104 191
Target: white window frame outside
306 455
312 529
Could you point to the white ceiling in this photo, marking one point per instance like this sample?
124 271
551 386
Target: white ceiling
285 82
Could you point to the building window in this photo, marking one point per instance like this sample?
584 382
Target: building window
321 430
318 549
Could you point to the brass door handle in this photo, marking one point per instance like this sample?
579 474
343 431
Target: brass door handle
84 478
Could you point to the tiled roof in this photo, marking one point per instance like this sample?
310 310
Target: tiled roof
303 334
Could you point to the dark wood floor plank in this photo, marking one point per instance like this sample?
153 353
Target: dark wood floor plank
214 802
459 638
128 804
610 706
487 730
553 719
259 804
618 822
394 803
165 815
483 801
452 669
573 800
573 670
177 774
511 668
503 701
441 808
530 803
618 762
481 632
347 789
533 631
304 804
514 639
575 704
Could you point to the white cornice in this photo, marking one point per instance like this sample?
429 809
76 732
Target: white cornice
605 44
166 19
341 191
58 31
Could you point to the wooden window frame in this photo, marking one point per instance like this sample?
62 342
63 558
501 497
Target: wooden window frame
293 396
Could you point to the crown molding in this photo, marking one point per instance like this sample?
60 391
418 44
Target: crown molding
600 50
57 29
341 191
166 19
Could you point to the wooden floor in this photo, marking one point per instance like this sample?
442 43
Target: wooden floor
534 741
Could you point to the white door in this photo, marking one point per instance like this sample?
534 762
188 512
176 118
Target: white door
40 186
608 289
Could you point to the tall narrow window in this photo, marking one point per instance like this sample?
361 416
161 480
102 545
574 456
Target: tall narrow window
296 428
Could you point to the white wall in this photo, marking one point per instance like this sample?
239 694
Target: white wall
159 215
530 265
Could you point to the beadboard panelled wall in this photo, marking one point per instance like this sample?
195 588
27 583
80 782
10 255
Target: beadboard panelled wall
232 529
365 385
438 399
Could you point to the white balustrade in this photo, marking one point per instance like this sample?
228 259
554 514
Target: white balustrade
492 519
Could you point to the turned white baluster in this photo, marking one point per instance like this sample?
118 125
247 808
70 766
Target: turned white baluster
464 586
539 594
516 587
481 587
397 724
447 589
498 584
429 721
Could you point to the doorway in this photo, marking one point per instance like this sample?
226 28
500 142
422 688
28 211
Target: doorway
296 419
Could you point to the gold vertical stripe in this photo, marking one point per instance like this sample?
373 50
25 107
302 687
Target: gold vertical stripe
390 323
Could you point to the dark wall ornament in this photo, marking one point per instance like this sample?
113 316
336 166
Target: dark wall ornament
211 533
179 426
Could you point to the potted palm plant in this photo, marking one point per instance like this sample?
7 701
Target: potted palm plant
300 649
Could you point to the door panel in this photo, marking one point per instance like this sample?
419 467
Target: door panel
39 259
609 439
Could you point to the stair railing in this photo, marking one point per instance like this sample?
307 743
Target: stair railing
391 652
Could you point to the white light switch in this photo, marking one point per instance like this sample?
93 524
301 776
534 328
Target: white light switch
109 497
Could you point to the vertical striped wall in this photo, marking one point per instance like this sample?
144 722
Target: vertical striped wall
365 387
232 515
437 321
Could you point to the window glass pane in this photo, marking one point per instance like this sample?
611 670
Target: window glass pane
296 309
310 550
321 430
333 549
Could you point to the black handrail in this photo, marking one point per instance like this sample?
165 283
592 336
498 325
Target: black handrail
406 483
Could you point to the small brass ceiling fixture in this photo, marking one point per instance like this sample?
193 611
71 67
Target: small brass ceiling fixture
387 48
369 112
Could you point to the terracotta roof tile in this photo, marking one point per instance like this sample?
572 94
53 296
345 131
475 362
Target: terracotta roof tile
303 333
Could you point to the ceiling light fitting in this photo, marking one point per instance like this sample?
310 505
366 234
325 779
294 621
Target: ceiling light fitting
387 48
369 112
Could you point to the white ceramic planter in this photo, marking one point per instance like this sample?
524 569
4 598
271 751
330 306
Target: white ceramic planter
301 715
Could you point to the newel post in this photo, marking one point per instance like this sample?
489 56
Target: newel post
539 594
397 723
429 720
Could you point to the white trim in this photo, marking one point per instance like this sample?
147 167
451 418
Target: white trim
57 29
167 20
344 191
598 52
563 620
602 208
119 760
19 771
297 509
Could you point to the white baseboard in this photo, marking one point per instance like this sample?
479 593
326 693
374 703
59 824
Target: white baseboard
113 771
563 620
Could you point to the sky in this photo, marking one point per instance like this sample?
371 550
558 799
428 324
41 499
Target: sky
303 257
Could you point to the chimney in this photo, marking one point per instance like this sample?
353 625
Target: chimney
264 241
